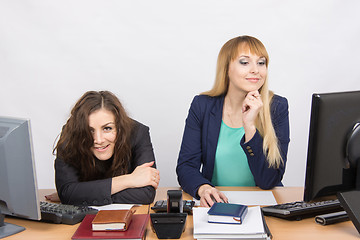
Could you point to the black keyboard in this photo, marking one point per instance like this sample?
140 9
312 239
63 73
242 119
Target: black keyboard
161 206
62 213
299 210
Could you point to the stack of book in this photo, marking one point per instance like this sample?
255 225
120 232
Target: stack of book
251 227
112 224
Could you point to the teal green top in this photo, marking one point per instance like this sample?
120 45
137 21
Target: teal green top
231 165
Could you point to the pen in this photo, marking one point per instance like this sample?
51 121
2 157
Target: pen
267 230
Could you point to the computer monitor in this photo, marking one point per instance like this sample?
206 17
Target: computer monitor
18 185
334 140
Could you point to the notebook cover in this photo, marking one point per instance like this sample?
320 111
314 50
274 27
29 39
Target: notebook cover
112 220
228 211
136 229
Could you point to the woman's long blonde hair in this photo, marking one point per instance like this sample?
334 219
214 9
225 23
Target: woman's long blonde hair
228 53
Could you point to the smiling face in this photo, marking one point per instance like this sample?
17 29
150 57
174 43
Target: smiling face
247 72
103 129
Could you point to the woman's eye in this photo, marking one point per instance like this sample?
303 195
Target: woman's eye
244 62
262 62
107 129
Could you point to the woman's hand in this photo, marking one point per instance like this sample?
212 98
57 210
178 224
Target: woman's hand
145 175
209 195
252 105
54 197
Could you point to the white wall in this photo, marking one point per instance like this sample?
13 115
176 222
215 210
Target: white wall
156 55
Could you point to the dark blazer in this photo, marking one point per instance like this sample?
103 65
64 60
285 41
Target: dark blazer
200 140
98 192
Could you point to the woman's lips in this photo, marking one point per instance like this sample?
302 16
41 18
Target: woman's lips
254 80
101 149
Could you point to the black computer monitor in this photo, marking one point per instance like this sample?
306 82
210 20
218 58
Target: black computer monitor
334 133
18 186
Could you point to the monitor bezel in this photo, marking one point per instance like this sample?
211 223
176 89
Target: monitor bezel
320 108
18 192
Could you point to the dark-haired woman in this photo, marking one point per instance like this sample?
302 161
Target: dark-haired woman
103 156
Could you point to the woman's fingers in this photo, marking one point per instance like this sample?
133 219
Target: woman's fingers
212 195
145 175
148 164
54 197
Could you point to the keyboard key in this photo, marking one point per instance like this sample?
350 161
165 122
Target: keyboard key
299 210
63 213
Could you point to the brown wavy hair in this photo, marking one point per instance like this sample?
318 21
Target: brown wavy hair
76 140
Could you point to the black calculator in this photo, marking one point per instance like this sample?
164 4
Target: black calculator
161 206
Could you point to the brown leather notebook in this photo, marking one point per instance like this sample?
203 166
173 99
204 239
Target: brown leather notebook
112 220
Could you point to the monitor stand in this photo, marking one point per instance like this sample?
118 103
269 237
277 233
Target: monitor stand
350 203
8 229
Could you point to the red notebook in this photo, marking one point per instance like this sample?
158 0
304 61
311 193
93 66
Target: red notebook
136 229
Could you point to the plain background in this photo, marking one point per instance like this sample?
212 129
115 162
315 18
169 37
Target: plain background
157 55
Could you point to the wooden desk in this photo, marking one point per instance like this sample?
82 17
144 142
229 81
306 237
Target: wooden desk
280 229
47 231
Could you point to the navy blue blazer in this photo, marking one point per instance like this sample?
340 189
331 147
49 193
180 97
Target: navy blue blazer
197 153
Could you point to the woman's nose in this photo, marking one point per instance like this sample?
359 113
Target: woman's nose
254 68
98 137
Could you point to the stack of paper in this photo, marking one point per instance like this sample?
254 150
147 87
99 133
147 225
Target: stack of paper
249 198
251 228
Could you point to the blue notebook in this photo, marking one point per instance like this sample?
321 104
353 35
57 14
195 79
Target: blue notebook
227 213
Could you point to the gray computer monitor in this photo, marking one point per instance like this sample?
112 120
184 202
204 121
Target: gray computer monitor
18 185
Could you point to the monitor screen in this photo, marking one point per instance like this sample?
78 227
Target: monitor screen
18 188
333 118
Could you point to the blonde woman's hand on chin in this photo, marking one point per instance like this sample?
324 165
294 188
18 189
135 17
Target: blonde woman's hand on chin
252 105
209 195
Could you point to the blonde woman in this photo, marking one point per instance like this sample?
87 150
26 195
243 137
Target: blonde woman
236 134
